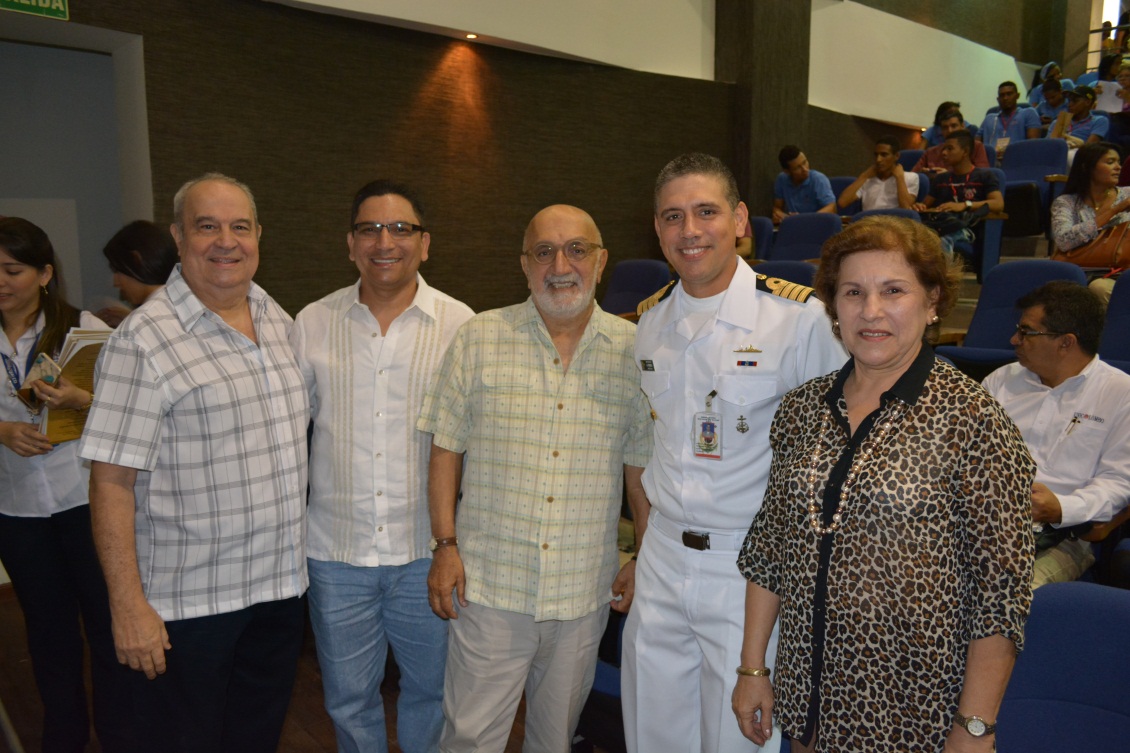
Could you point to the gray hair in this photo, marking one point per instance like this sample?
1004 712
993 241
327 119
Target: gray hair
697 163
178 199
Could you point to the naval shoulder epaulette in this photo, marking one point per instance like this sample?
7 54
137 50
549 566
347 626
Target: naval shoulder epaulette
649 303
783 288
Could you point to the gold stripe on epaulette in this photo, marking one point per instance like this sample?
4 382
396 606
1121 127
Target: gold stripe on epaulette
650 302
785 289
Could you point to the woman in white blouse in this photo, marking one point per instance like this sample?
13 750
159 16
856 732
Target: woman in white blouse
45 538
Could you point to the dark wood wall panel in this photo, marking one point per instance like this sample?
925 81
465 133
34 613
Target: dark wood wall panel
305 108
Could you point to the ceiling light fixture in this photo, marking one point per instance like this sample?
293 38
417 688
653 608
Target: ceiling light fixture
472 36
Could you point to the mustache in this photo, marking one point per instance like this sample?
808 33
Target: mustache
572 277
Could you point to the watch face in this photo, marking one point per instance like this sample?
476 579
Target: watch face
975 726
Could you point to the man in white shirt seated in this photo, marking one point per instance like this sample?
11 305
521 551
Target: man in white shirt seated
1074 412
883 185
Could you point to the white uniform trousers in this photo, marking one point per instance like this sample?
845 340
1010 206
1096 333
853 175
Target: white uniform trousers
682 644
492 654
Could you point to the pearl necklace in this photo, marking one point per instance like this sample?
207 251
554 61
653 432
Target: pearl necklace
861 458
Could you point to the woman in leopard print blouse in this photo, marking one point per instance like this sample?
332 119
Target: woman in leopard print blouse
895 538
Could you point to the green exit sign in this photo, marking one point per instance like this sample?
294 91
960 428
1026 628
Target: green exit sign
49 8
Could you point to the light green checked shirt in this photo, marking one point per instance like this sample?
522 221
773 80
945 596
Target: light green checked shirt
545 455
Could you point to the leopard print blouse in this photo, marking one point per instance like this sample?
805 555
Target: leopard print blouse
935 550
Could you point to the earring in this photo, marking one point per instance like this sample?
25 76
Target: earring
836 327
936 319
44 289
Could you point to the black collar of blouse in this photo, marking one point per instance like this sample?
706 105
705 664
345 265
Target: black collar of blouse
908 388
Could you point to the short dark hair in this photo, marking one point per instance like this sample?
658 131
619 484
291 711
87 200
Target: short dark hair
1051 85
697 163
963 138
944 110
787 155
1086 158
142 250
955 113
384 188
1069 308
919 245
890 141
1003 84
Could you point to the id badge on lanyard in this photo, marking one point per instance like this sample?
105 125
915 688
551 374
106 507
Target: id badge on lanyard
706 432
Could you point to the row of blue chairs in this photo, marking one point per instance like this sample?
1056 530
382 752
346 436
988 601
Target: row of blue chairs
987 343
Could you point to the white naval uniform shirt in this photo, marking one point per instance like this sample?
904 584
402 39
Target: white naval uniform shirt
368 461
1078 434
789 342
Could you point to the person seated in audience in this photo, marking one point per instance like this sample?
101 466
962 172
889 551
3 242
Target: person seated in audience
1050 72
1079 125
884 184
935 134
799 188
1010 123
1093 200
1073 411
931 159
963 187
1106 86
141 256
1053 103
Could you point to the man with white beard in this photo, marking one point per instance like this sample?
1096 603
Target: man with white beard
537 418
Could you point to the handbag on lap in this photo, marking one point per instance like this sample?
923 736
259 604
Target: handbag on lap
1110 249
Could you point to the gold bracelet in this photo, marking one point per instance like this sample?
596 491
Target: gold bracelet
751 672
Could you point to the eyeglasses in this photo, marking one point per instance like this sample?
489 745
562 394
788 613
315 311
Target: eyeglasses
1022 332
371 231
545 253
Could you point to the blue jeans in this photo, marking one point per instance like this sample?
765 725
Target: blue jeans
356 613
949 241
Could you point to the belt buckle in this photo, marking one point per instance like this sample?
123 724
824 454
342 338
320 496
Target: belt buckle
695 540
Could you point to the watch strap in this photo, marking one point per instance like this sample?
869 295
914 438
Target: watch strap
965 721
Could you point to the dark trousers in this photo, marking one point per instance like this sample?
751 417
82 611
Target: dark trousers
56 577
227 684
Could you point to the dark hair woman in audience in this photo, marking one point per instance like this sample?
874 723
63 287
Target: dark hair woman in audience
895 539
45 537
932 136
141 256
1091 202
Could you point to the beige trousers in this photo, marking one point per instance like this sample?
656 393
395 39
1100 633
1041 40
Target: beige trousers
492 655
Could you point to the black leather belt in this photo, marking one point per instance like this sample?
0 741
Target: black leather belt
695 540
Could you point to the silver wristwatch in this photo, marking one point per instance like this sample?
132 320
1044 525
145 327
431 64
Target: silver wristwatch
975 725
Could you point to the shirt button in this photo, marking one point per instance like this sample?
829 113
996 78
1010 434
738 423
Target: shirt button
381 372
556 360
378 454
380 528
374 334
549 498
380 494
379 414
545 546
556 453
561 406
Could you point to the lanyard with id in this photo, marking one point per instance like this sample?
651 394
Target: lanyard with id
706 432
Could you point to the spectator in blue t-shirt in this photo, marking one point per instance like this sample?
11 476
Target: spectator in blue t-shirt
799 188
1010 123
1079 125
1053 103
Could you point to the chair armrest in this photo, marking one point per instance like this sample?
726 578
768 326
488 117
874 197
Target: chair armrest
1100 531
